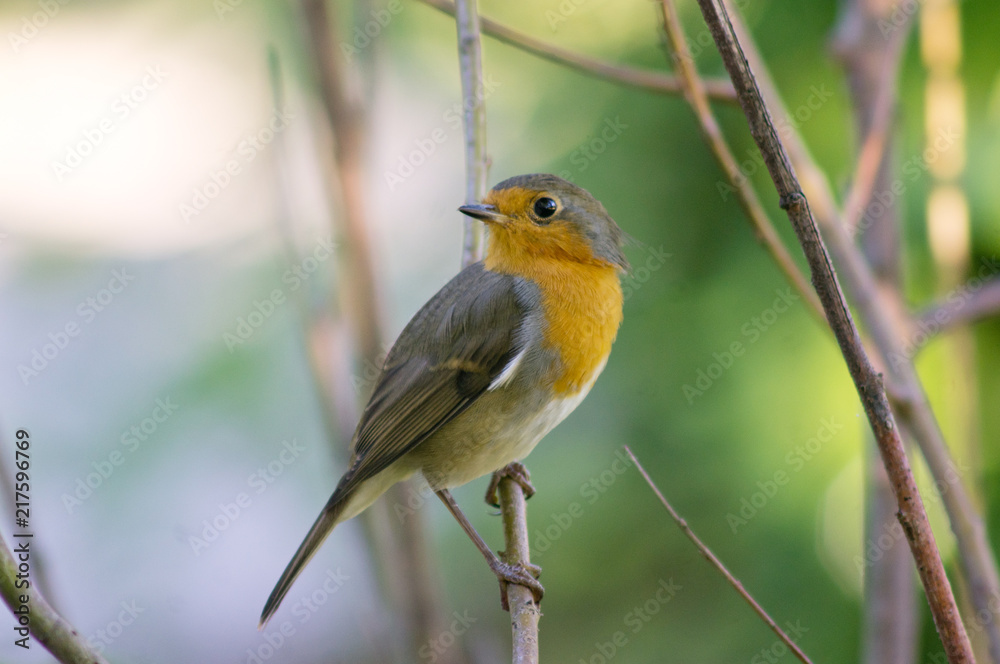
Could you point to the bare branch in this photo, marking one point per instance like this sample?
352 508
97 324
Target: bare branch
954 312
882 313
710 557
695 94
524 613
912 514
470 59
52 631
402 555
652 81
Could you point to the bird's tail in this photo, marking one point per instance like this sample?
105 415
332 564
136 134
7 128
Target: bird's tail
328 518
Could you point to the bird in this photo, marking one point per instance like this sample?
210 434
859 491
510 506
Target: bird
490 364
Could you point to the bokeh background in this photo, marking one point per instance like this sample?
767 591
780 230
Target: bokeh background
149 423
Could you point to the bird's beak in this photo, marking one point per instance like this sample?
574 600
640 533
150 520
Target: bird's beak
487 213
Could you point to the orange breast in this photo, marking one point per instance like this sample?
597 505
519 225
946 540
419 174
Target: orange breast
582 303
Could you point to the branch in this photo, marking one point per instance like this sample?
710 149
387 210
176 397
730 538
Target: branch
470 60
710 557
880 311
697 98
52 631
954 312
651 81
402 557
912 514
524 613
871 61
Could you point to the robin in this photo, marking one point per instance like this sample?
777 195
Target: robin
495 360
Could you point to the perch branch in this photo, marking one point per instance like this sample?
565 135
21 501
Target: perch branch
52 631
710 557
652 81
524 613
912 514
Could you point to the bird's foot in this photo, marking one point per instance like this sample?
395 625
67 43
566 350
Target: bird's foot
515 471
521 575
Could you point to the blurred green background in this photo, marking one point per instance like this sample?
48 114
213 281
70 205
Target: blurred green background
197 94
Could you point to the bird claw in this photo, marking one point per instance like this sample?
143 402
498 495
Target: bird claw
515 471
521 575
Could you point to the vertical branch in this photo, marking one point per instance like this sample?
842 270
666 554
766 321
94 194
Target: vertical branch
888 330
872 62
470 60
52 631
912 514
403 554
524 613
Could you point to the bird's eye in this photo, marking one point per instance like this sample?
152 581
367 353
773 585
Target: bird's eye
545 207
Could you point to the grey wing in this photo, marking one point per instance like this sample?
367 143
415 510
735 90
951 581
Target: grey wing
445 359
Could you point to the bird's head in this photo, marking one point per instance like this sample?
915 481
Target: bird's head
542 217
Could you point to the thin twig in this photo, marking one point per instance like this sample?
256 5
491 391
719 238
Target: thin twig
652 81
873 148
48 627
524 613
470 59
967 307
695 94
711 557
912 514
880 312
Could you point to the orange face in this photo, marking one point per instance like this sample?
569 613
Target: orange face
520 234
